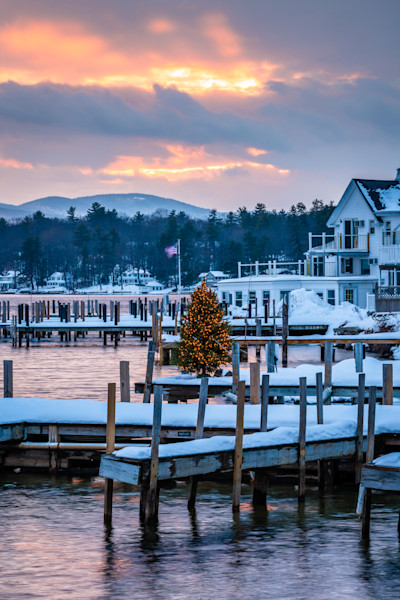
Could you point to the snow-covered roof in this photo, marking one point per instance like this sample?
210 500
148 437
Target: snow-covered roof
380 195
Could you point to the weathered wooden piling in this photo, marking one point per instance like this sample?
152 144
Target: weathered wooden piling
285 329
110 446
302 438
366 496
387 384
235 366
8 378
360 426
198 435
149 493
149 371
124 381
358 356
260 486
238 452
255 383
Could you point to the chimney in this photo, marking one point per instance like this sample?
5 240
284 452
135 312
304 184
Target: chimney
397 178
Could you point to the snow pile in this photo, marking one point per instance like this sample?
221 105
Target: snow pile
388 460
307 307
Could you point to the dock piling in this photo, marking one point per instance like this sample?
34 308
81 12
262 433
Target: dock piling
238 452
8 378
110 446
124 381
302 438
360 426
149 493
198 435
260 487
149 372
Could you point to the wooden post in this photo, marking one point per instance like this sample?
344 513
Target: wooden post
360 426
260 487
320 420
124 381
319 392
285 329
235 366
358 356
366 508
149 372
198 435
302 438
270 354
255 383
150 491
328 364
8 378
387 383
238 453
273 318
110 446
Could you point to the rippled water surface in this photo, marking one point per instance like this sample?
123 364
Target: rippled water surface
53 545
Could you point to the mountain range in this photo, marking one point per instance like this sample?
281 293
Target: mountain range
124 204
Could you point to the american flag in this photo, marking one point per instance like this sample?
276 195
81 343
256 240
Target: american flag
170 251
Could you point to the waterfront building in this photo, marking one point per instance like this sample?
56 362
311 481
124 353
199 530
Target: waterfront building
359 262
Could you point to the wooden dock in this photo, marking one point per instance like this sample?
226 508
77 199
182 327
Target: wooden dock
258 452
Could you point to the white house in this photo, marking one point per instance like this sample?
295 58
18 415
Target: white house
135 276
362 254
10 280
56 281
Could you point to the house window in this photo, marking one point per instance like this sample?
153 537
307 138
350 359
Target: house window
318 266
283 293
372 227
320 294
265 297
252 297
387 234
347 265
331 297
349 295
365 268
225 296
239 299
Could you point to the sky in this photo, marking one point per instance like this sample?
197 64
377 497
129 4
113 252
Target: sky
220 103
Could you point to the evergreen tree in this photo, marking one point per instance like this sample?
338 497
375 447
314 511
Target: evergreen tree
205 342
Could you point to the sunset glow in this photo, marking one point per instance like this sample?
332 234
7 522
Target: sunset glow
153 96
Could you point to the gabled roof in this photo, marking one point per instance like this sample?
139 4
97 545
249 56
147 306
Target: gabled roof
380 195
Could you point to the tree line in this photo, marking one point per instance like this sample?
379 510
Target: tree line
102 244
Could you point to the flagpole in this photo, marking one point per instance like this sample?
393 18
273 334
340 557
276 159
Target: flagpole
179 267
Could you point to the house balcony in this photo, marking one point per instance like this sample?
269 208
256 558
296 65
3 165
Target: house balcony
339 243
389 255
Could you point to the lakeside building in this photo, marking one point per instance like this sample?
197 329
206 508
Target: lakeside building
358 263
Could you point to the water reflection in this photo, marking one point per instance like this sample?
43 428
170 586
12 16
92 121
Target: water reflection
53 539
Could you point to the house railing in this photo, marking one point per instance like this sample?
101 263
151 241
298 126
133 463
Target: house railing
274 267
340 242
388 292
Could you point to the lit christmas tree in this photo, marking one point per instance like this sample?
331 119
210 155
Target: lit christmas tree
205 343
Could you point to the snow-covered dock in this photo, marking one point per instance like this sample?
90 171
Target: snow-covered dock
342 438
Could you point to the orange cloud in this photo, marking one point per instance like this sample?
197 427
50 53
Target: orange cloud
33 52
256 151
225 40
160 26
14 164
184 164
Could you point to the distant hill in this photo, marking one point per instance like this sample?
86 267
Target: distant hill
128 204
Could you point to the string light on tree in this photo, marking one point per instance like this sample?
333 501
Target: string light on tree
205 340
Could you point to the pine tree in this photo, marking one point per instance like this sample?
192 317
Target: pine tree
205 342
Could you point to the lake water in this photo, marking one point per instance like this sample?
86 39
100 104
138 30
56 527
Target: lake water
53 544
